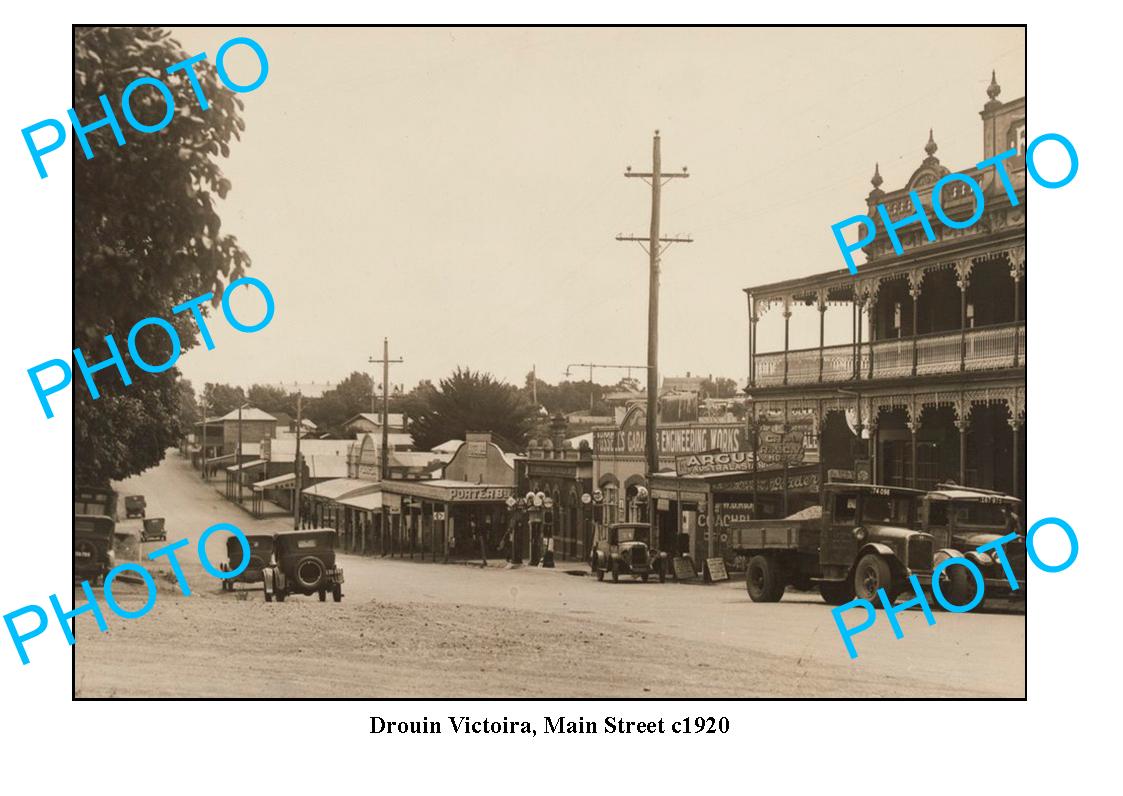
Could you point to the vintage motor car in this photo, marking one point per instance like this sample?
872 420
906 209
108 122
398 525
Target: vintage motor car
304 564
961 519
862 539
134 506
153 530
93 547
261 556
624 548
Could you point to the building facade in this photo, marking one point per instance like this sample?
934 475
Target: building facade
931 384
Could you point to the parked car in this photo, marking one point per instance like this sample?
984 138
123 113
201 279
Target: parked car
304 564
93 547
134 506
862 539
961 519
153 530
261 556
624 548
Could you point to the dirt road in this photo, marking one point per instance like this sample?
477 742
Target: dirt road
422 629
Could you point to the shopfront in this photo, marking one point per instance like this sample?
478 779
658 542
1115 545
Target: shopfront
694 513
445 517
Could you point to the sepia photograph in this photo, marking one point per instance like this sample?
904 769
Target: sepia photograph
547 363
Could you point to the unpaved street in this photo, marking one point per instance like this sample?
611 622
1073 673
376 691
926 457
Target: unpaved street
422 629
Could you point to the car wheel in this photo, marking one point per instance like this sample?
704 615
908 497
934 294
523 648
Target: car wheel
644 577
323 595
600 574
763 580
615 571
836 592
871 574
280 596
961 588
337 593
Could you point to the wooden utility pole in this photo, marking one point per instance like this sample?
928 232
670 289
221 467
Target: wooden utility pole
654 245
298 466
384 464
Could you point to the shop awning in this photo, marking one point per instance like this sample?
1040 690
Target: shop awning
448 491
276 482
246 465
338 488
371 501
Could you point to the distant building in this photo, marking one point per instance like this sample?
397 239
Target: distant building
366 422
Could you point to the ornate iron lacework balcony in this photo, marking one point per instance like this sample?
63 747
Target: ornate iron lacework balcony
984 348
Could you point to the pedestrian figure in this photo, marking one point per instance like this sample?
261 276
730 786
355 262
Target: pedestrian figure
480 536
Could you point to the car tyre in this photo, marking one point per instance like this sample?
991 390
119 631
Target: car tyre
337 593
836 592
961 588
615 571
763 580
600 574
871 574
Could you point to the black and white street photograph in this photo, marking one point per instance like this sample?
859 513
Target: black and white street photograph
549 362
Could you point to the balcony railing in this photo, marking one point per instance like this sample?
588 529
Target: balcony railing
987 348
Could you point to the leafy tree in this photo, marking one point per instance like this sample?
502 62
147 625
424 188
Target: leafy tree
721 387
222 399
147 237
188 405
567 396
272 399
338 405
470 401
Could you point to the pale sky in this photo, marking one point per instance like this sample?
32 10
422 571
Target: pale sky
459 190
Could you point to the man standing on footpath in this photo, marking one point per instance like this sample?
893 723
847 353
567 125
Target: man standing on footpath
481 538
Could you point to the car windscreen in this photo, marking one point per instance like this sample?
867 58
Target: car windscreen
976 513
887 509
631 535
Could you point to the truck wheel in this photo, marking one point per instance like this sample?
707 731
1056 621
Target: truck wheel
337 593
615 571
836 592
871 574
763 580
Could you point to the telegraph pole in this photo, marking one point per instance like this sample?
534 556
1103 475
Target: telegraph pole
384 464
654 245
298 467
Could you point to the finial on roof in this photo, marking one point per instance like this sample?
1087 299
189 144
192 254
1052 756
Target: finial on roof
931 147
876 179
993 90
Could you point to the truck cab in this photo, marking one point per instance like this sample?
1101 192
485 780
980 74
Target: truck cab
961 519
862 539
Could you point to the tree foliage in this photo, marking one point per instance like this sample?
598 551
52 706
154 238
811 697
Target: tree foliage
272 399
568 396
336 406
147 237
469 401
223 399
